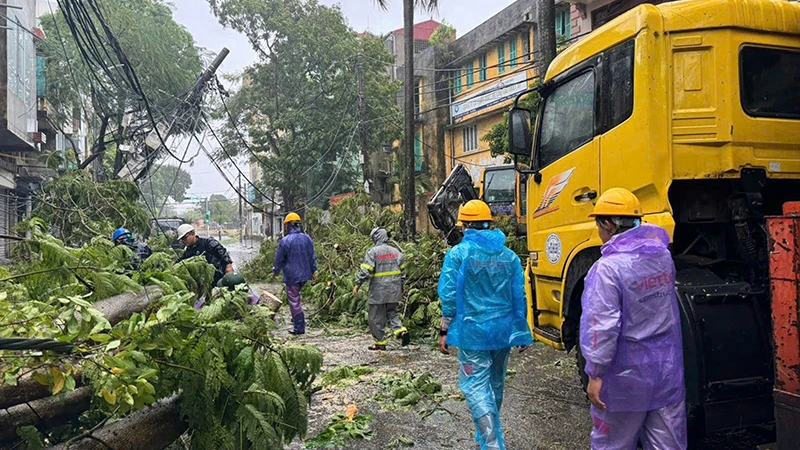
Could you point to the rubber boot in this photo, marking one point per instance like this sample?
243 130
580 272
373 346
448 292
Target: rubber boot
299 323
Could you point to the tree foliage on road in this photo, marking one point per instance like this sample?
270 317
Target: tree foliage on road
239 387
297 103
162 51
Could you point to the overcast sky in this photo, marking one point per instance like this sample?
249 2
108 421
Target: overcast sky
361 15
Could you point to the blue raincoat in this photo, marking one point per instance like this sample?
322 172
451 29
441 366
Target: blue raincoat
295 257
630 335
482 289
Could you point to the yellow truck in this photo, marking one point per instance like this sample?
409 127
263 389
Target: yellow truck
695 107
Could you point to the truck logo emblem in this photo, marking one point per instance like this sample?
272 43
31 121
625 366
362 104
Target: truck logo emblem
552 248
554 188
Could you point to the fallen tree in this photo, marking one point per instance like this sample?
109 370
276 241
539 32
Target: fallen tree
44 412
134 352
114 309
161 422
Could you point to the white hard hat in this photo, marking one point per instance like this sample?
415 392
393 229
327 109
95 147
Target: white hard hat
183 230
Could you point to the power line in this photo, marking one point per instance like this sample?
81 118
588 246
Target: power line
332 179
225 177
233 162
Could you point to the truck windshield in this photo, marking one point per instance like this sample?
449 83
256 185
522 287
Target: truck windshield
770 82
499 185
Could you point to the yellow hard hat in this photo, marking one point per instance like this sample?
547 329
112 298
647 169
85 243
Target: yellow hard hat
474 211
291 217
617 202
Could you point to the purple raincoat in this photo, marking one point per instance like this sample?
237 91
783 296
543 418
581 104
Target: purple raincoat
630 326
295 257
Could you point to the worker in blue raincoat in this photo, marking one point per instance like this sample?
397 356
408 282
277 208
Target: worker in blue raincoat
296 258
484 314
630 333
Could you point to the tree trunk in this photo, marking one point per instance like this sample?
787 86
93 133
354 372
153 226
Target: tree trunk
409 203
547 34
26 390
154 428
115 309
120 307
45 412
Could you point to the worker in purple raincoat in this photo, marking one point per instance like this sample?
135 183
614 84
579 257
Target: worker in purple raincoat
296 258
630 333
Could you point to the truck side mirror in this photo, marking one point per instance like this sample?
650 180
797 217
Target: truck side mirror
519 132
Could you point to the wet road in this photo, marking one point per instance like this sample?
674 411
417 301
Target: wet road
242 253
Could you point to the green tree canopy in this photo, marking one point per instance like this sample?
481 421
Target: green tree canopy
298 102
223 210
165 181
163 54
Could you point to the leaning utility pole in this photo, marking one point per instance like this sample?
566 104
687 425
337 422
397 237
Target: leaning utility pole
409 190
547 34
192 101
241 238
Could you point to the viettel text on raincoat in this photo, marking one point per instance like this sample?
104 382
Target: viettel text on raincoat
630 330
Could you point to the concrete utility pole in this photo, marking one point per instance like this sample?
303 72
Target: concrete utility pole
241 237
362 110
409 190
547 34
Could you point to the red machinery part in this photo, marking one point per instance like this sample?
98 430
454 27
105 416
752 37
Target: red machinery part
784 268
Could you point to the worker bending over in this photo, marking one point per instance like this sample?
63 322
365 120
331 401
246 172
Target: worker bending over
141 251
214 252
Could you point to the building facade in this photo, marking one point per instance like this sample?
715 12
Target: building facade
492 65
20 140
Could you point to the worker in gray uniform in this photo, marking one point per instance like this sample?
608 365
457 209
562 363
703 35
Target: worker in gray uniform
383 266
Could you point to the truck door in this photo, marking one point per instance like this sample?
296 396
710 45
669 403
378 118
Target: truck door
567 156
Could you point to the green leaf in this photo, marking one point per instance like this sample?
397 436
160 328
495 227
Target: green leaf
10 379
113 344
69 384
100 338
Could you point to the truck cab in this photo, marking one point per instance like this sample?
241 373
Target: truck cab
503 188
695 107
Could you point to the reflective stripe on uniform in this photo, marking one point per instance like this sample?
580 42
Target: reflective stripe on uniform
388 274
368 267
